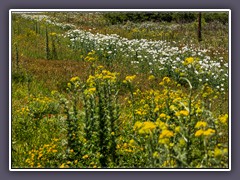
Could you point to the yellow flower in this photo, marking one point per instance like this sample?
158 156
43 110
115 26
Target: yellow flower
164 141
217 152
147 127
209 132
131 142
182 112
130 78
151 77
55 139
182 142
137 125
162 115
90 59
177 129
62 166
91 90
173 108
156 155
223 118
199 110
200 124
40 155
199 133
85 156
189 60
74 79
177 100
165 81
161 124
125 145
166 134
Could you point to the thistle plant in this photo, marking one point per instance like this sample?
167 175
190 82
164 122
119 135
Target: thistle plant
100 98
47 44
72 120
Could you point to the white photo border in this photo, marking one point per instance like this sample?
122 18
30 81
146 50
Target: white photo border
118 10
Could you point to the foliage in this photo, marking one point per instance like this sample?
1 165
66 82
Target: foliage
182 17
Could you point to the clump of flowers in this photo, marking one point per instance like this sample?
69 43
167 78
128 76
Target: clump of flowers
145 127
91 56
189 60
44 156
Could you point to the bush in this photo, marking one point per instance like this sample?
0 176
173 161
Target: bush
221 17
183 17
21 77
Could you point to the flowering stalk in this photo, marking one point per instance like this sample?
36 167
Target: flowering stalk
47 45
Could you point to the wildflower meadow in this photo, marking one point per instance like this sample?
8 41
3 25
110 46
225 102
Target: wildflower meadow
105 90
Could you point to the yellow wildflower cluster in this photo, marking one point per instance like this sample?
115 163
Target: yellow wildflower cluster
151 77
220 152
166 134
64 165
207 132
165 81
130 147
23 111
164 137
129 78
40 158
169 163
182 113
207 91
102 75
39 106
85 156
145 127
74 79
91 90
91 56
201 124
156 155
41 99
223 118
74 83
188 61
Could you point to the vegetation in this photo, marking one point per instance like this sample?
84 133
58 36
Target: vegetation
119 90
